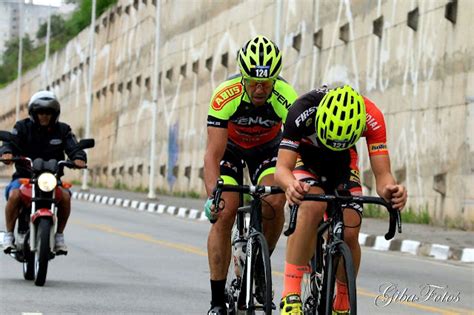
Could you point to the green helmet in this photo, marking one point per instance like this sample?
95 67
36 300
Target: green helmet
259 58
340 118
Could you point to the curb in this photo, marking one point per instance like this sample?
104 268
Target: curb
376 242
143 206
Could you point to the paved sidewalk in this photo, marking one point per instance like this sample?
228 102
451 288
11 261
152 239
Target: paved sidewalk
416 239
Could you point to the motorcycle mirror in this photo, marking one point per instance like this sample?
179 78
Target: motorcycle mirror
86 143
6 136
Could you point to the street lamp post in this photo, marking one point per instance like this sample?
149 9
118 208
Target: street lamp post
89 88
46 55
20 60
151 179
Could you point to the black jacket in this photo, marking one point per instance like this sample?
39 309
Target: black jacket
48 143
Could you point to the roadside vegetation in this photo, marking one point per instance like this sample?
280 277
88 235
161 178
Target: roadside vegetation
62 31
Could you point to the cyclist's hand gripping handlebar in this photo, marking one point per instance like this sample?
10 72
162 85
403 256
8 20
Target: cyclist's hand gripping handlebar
216 200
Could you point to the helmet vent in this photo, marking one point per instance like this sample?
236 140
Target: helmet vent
276 68
343 115
243 65
331 126
322 132
261 49
339 131
345 100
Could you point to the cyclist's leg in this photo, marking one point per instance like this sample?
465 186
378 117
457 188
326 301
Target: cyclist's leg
261 163
12 208
273 216
219 238
302 243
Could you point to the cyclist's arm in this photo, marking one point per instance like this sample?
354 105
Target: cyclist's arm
294 189
386 185
216 144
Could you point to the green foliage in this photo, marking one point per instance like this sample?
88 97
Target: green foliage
62 32
374 211
120 186
408 215
422 216
57 27
8 70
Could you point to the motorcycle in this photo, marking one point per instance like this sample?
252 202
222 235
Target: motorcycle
37 220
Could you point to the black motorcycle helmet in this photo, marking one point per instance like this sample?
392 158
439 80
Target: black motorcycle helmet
44 101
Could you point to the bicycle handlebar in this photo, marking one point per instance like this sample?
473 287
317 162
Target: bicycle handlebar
395 221
244 189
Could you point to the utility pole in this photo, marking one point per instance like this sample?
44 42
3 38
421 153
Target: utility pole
46 55
154 109
277 24
20 60
89 87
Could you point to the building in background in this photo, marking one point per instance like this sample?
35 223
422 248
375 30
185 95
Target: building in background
33 16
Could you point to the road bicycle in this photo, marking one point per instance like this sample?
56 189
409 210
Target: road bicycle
317 286
249 282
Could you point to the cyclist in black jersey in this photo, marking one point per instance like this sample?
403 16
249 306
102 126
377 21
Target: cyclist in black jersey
317 155
244 128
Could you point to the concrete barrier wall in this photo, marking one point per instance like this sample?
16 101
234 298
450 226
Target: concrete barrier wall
407 56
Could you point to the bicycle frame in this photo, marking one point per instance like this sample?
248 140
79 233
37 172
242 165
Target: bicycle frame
254 236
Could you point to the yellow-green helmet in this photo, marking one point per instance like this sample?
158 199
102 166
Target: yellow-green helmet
340 118
259 58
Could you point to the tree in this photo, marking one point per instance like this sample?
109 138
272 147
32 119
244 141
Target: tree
57 27
8 69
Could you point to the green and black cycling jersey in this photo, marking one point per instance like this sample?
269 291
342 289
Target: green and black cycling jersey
249 125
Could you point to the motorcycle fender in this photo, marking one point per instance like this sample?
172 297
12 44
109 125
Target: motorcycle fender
43 212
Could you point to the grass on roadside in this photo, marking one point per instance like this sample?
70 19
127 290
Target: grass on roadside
408 215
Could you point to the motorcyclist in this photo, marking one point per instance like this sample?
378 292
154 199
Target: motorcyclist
41 135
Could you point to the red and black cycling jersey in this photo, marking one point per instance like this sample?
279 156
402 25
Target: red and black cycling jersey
300 127
249 125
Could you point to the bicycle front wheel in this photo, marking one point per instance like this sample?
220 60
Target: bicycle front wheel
258 293
309 292
341 251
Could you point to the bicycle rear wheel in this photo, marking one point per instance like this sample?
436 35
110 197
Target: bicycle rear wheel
312 294
260 287
340 251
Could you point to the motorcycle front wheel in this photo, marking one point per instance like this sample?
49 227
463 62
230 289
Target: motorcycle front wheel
42 251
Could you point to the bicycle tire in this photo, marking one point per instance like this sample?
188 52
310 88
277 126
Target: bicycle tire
341 250
309 294
263 279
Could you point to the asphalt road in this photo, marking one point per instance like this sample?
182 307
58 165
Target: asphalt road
123 261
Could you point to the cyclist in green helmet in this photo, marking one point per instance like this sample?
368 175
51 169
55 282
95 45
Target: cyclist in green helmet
244 129
317 155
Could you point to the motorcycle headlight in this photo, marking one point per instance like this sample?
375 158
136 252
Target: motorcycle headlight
47 182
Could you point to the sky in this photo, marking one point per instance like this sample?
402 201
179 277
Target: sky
48 2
